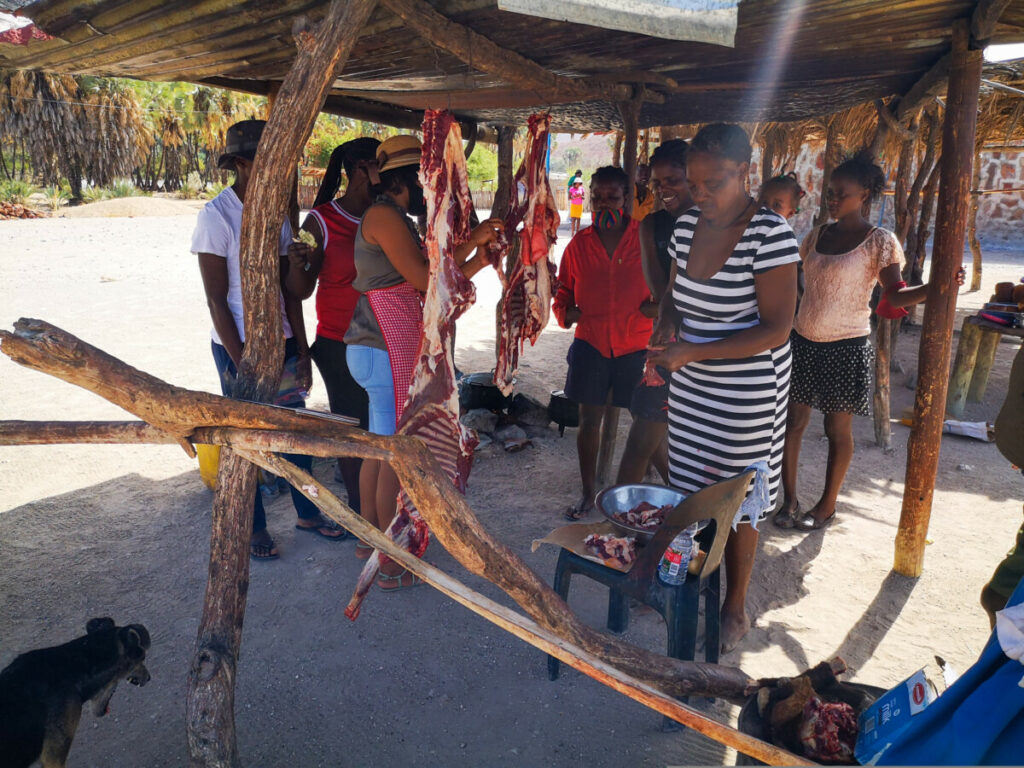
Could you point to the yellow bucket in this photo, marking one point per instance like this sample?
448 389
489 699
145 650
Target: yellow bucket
209 461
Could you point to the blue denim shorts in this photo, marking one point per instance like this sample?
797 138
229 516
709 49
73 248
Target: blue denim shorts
371 368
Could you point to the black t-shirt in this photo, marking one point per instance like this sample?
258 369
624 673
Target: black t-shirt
664 224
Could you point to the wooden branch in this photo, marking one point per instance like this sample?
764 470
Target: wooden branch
523 628
972 226
984 19
484 55
629 111
832 151
449 516
958 141
925 90
64 432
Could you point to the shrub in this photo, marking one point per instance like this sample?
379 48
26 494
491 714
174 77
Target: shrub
214 189
192 186
55 196
16 191
123 188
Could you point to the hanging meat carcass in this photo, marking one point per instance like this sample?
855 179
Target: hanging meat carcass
526 303
431 411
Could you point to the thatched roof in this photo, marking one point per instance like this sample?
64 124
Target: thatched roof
840 53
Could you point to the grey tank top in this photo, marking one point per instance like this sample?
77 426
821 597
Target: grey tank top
373 271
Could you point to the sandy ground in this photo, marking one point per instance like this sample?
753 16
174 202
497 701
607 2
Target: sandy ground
123 531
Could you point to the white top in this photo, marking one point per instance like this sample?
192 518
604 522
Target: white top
837 287
218 231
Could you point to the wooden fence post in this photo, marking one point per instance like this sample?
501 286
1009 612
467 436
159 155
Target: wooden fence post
972 224
211 681
939 314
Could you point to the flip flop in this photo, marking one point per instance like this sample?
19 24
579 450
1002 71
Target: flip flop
396 581
325 525
266 551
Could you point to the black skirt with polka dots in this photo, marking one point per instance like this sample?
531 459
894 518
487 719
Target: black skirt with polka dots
833 376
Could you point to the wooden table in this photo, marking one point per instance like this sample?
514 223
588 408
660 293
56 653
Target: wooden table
975 354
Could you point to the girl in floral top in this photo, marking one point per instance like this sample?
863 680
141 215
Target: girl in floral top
833 358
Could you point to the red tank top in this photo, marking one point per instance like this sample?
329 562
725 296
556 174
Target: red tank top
335 296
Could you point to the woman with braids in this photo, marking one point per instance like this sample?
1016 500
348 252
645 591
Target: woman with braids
833 359
601 290
384 336
649 407
730 310
329 266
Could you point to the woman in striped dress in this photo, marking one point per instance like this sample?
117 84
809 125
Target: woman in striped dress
730 310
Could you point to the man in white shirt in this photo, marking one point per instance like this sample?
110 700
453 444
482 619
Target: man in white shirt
216 241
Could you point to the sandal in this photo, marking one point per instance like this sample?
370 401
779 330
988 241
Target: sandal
784 519
395 583
263 550
363 551
574 514
327 529
810 523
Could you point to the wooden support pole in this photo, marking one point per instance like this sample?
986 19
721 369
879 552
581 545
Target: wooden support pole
503 190
972 225
831 160
606 451
987 348
322 52
881 410
940 310
617 150
629 111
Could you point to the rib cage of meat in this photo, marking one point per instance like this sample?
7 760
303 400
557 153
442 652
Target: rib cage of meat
529 288
432 408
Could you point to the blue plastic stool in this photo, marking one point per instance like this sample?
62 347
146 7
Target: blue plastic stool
678 604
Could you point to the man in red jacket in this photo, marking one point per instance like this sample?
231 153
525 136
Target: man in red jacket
602 290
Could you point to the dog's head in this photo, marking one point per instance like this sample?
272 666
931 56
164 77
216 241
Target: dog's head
130 644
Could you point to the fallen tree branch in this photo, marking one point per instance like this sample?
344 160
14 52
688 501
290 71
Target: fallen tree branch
49 349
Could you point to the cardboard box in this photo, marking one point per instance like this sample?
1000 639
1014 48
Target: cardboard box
881 724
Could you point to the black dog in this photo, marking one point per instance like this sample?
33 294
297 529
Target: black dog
42 692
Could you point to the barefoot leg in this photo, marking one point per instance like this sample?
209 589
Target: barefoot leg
839 429
739 564
796 423
588 443
642 446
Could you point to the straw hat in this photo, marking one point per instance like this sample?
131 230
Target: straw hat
398 151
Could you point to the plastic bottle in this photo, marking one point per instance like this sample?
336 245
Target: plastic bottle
673 565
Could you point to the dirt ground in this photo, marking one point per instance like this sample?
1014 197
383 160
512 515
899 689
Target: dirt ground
123 531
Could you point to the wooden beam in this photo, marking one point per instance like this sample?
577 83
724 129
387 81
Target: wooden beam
629 112
484 55
322 52
940 310
984 19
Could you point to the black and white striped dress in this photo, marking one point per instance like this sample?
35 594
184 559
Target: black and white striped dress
725 415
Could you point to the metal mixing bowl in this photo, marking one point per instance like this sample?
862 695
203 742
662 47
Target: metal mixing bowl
622 498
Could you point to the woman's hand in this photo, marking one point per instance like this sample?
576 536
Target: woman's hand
486 232
672 356
662 335
960 277
298 256
572 315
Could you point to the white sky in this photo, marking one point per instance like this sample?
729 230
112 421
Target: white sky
1004 52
